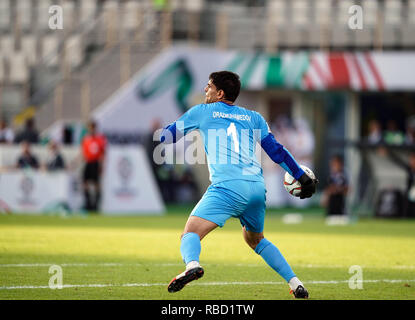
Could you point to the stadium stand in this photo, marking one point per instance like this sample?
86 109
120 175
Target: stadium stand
29 49
92 27
18 68
408 27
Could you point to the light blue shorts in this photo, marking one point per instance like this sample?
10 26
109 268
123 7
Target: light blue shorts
234 198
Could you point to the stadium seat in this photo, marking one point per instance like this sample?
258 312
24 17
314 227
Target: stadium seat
370 12
7 45
243 33
69 11
341 13
408 27
276 15
340 34
322 12
110 13
73 51
410 13
317 33
393 12
50 44
110 21
300 12
176 5
19 71
24 14
2 70
130 15
29 48
300 17
408 32
43 16
194 5
277 12
392 20
180 23
367 36
88 9
5 14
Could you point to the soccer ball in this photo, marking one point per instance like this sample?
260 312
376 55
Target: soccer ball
292 186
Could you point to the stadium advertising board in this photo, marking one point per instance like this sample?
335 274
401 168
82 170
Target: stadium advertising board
34 192
128 186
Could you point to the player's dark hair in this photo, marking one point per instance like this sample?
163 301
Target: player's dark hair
228 82
92 123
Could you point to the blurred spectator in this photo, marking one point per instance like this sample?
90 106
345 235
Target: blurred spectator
67 133
337 189
284 129
185 190
410 130
93 151
410 188
409 194
6 133
27 159
29 133
375 132
296 135
392 134
167 182
55 160
301 142
152 141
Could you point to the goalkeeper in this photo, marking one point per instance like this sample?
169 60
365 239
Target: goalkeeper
237 189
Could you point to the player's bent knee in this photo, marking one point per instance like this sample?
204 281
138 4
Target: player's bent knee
254 243
253 239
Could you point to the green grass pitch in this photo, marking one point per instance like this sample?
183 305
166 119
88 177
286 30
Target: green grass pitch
136 257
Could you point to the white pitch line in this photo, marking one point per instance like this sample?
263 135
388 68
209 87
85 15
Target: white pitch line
110 264
116 264
34 265
237 283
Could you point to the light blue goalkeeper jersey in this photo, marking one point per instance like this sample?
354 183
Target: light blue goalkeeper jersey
230 134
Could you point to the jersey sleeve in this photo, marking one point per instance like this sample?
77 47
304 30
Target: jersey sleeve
262 127
190 120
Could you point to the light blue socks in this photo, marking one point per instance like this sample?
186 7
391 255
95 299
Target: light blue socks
190 247
274 259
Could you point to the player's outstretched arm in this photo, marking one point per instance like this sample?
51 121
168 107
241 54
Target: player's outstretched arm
188 122
283 157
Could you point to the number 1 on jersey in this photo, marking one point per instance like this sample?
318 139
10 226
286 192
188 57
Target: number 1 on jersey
232 132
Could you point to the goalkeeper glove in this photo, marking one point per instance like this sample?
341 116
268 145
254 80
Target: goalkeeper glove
308 186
